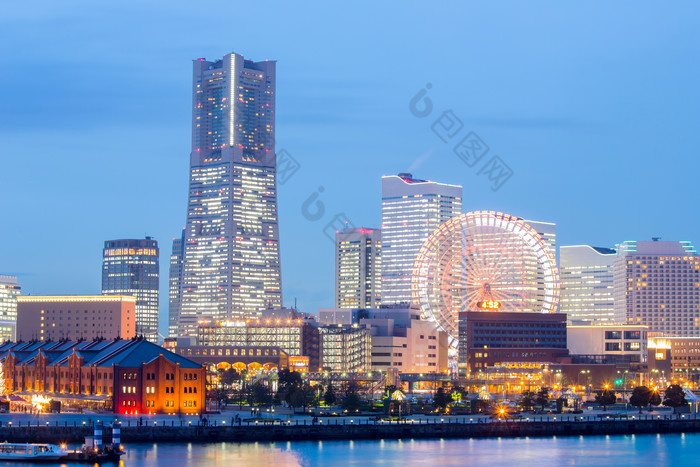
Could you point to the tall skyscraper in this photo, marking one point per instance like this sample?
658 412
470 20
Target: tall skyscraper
174 281
358 268
587 283
9 291
231 255
657 284
130 268
411 210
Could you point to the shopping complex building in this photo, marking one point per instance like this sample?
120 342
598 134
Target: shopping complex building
131 376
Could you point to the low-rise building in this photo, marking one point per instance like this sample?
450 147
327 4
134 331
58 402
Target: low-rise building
296 337
345 349
76 317
125 376
253 359
400 338
674 358
502 344
626 341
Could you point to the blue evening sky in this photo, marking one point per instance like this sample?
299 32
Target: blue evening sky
594 107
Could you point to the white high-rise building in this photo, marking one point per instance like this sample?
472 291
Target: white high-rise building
231 255
548 232
657 284
358 268
411 210
9 291
587 283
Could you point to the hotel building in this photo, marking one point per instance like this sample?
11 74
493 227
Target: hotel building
9 291
130 268
357 268
231 255
75 317
587 283
411 210
657 284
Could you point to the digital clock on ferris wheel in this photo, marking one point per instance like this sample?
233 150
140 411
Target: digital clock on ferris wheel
489 305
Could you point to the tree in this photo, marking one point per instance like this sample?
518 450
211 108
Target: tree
640 397
351 401
441 399
527 399
228 377
605 397
329 396
240 395
300 396
654 398
457 392
260 393
542 397
674 397
287 383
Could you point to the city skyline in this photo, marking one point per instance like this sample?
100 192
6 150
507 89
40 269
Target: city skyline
565 152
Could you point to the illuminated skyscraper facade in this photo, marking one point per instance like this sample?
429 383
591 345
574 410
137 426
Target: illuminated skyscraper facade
411 210
587 283
358 268
657 284
231 255
9 291
174 280
130 268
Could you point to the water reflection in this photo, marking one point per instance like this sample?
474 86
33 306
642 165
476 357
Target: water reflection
531 451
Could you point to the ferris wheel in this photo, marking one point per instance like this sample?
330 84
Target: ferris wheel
483 261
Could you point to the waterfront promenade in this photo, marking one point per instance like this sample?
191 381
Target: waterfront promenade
72 428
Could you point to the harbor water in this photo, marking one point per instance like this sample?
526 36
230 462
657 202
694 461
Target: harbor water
638 450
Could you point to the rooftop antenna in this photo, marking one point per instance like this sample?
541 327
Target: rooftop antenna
655 239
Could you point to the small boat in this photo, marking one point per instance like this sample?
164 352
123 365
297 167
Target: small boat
33 452
91 456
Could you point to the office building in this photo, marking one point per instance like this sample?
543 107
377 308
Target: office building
75 317
131 268
506 344
587 284
9 291
674 358
174 280
411 210
129 377
231 255
357 268
345 349
657 284
628 342
400 338
296 337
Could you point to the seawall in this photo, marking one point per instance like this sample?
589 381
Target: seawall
355 431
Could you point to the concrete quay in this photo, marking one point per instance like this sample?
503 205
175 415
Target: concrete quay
344 430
